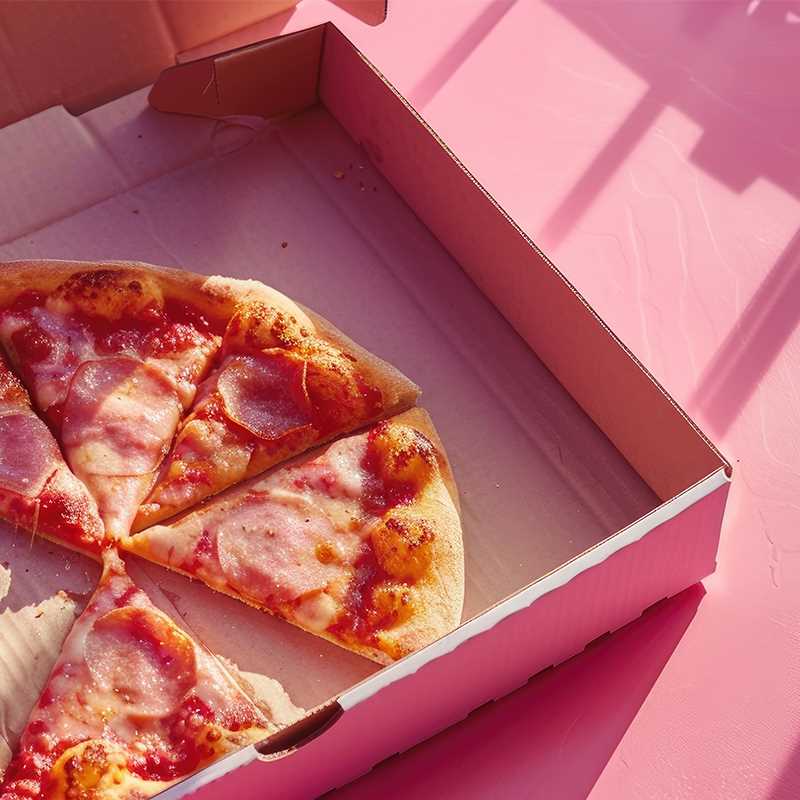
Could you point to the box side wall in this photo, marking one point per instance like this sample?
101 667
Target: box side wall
80 54
603 377
673 556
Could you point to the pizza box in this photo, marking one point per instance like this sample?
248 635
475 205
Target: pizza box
587 494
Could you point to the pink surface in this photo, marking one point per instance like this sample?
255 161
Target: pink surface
651 149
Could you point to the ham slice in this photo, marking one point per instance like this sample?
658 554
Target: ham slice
270 551
28 453
136 654
266 393
119 418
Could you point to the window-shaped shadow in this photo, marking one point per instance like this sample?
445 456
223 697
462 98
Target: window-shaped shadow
732 69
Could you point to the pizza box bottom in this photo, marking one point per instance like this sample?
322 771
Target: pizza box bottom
297 204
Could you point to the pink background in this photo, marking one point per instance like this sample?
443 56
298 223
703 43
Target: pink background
652 149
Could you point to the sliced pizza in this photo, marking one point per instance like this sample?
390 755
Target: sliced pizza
37 490
286 380
132 705
111 354
359 542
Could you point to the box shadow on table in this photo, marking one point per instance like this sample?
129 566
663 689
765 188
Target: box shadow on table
592 699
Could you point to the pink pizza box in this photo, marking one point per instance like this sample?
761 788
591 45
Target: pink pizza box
587 494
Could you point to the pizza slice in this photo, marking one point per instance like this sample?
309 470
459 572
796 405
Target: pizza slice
37 490
132 705
286 380
111 354
359 542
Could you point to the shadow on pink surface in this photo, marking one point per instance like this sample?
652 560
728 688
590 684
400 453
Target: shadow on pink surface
756 339
459 52
598 693
726 66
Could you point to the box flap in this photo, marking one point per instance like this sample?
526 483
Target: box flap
217 86
80 54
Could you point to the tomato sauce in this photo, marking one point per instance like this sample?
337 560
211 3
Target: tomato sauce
360 619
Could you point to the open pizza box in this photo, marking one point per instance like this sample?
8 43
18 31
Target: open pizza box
587 494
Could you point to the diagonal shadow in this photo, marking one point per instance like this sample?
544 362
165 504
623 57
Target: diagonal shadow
459 52
785 786
601 170
684 52
756 339
600 691
726 66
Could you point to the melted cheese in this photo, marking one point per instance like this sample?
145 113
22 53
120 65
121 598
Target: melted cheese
295 533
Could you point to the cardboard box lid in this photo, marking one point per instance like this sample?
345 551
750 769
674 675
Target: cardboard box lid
81 54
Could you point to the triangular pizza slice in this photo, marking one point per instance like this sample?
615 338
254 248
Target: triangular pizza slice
37 490
111 354
285 380
359 542
132 705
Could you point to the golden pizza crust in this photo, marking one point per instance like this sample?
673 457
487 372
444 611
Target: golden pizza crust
440 594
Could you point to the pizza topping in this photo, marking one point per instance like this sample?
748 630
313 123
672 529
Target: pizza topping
32 343
402 453
266 393
340 396
142 658
90 769
105 313
118 418
399 462
337 473
361 618
403 546
47 350
268 551
317 611
11 391
66 511
190 741
28 453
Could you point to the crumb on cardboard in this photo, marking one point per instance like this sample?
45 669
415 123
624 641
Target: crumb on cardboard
284 245
338 174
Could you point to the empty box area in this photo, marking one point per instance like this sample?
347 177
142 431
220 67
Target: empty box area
296 204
